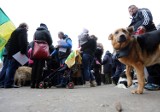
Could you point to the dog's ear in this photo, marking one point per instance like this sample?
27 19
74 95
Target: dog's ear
110 37
130 29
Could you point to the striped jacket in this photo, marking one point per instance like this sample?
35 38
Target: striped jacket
143 17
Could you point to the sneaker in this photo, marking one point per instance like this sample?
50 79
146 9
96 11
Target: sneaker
152 87
93 83
87 84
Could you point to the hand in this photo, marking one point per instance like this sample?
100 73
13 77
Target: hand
141 28
97 62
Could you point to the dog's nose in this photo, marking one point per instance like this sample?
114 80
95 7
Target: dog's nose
122 38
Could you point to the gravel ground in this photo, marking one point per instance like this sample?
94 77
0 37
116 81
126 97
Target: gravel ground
98 99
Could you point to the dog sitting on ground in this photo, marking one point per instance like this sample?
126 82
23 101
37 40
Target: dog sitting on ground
137 52
22 76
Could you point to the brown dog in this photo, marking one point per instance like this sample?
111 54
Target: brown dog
22 75
137 52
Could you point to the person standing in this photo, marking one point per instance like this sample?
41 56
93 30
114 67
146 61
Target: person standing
97 67
63 49
17 43
88 48
107 67
42 33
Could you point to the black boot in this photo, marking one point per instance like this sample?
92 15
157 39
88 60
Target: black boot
60 86
32 85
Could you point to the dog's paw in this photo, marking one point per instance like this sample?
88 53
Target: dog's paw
137 91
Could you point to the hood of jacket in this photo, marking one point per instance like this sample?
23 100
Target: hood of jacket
41 28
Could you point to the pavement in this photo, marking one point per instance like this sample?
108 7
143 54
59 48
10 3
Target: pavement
104 98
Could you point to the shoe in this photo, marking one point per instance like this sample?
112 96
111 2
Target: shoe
60 86
13 86
152 87
32 86
93 83
37 86
87 84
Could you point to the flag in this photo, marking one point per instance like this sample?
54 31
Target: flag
6 28
73 58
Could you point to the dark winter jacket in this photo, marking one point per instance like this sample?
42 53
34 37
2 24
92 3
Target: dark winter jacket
107 63
143 17
89 47
43 34
17 42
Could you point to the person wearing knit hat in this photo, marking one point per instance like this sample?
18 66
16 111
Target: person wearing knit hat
88 47
83 37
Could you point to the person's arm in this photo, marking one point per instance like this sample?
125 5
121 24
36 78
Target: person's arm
23 42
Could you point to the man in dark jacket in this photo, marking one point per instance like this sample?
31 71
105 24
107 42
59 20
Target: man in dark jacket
141 18
17 43
142 21
41 33
107 67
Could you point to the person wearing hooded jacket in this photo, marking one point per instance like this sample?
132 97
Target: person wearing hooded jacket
62 56
107 68
42 33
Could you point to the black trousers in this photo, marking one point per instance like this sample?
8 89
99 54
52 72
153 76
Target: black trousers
154 74
37 70
98 76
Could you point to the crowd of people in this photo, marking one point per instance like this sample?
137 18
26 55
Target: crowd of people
96 68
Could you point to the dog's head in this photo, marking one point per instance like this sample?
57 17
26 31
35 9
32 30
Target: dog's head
121 37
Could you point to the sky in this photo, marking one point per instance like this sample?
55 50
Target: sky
100 17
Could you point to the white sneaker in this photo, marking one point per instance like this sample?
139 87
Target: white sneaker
87 84
93 83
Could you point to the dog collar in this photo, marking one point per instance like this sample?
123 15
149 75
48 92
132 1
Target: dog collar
123 52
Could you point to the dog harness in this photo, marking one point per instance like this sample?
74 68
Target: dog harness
123 52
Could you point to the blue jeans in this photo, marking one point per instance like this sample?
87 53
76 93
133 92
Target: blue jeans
87 61
8 73
3 72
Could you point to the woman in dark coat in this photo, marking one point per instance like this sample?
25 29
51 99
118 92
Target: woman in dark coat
41 33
